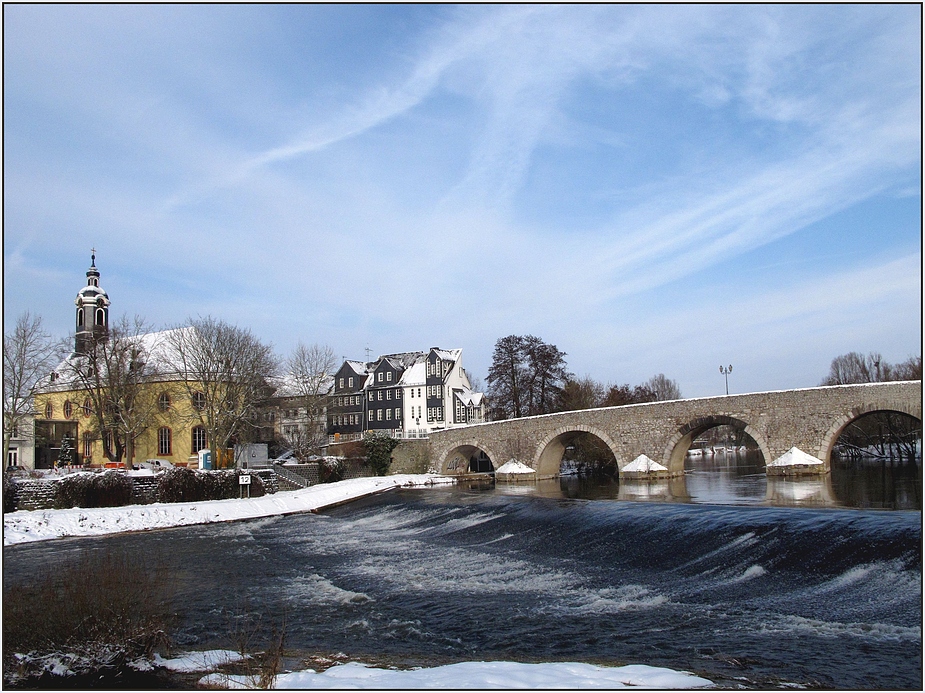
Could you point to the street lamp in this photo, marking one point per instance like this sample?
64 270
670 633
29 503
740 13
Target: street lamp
726 371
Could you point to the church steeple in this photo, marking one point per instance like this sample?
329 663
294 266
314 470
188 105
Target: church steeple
92 310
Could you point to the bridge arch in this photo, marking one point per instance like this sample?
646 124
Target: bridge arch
455 460
831 437
548 456
679 443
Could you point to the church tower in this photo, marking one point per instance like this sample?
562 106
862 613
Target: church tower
92 310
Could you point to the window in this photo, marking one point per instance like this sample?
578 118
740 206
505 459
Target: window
200 440
380 396
350 382
379 415
397 413
164 442
388 376
109 440
12 457
100 317
370 396
388 414
80 318
68 409
397 394
199 403
379 376
388 394
49 410
340 383
87 407
412 393
370 414
163 402
87 445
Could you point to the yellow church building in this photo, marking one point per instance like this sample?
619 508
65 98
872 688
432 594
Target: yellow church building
166 424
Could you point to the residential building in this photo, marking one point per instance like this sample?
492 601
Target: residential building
406 395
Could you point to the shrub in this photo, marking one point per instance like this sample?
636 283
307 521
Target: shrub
379 451
9 493
181 485
103 609
104 490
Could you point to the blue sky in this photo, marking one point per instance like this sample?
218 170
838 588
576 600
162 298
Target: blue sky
654 189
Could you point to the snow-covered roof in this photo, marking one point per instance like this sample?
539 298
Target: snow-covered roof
415 375
469 398
359 367
447 354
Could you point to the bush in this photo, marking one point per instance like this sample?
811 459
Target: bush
9 493
103 609
182 485
105 490
379 452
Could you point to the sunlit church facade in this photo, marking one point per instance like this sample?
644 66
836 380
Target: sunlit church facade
64 406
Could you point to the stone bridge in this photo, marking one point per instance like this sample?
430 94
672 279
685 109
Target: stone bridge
810 419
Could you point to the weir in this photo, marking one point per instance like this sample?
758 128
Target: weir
810 419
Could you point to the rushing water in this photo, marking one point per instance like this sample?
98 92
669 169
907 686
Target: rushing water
724 584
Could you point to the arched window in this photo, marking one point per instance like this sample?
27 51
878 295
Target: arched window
200 440
87 408
88 446
49 410
80 318
100 317
164 439
163 402
68 409
199 401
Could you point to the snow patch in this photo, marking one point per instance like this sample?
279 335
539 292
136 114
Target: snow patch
481 675
796 457
644 463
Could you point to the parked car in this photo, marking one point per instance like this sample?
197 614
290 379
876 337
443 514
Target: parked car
156 464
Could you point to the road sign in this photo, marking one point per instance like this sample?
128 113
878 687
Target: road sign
244 479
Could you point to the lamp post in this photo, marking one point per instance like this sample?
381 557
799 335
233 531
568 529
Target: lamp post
726 371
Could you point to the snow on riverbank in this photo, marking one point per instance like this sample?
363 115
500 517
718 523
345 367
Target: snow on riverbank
476 675
36 525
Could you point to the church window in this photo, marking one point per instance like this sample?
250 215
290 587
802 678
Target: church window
87 407
68 409
100 317
199 401
200 440
80 318
88 445
163 401
49 410
164 439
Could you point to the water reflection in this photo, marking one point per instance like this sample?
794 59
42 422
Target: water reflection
738 478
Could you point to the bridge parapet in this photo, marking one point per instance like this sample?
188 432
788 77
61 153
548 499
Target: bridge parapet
810 419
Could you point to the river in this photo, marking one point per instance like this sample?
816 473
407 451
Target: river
729 577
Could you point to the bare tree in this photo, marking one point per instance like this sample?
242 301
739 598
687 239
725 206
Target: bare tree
224 370
663 388
854 367
114 371
29 354
310 372
581 393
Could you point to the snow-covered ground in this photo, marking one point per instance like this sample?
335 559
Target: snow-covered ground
35 525
468 675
